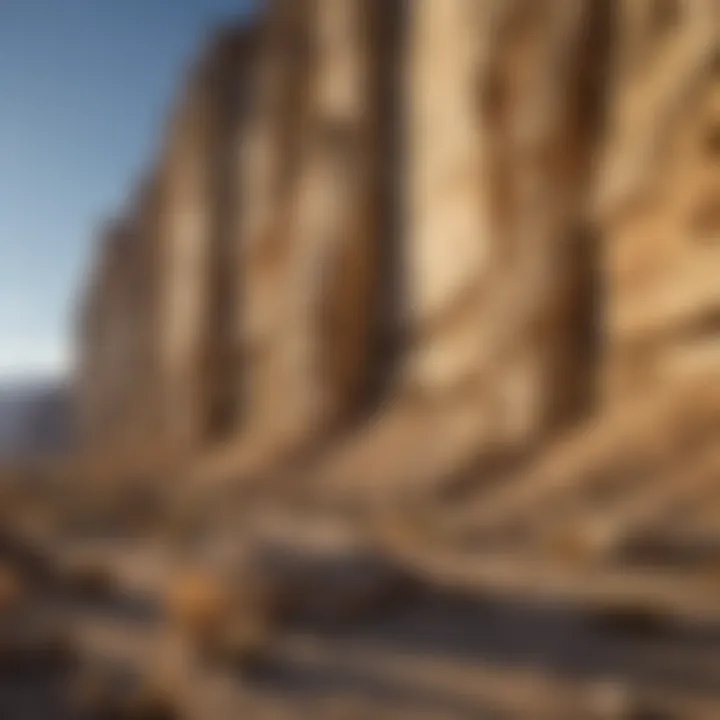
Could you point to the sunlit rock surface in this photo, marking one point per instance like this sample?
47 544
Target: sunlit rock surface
455 226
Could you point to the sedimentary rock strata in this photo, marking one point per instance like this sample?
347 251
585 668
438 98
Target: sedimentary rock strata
446 222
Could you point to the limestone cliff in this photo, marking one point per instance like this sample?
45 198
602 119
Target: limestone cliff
443 224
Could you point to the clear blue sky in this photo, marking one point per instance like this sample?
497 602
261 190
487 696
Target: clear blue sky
84 89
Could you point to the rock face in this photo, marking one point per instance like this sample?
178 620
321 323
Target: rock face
503 121
660 197
472 214
111 334
198 219
311 168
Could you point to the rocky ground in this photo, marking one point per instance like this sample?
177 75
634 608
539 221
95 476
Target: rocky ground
583 584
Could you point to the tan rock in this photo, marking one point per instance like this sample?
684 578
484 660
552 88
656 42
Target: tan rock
659 196
440 225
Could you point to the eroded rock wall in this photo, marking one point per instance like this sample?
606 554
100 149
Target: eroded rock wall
506 106
111 337
198 218
659 200
474 209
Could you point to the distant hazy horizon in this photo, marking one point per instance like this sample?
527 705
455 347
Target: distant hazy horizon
85 88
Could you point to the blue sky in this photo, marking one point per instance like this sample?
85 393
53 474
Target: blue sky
84 89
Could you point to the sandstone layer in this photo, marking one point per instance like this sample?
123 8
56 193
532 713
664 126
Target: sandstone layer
448 228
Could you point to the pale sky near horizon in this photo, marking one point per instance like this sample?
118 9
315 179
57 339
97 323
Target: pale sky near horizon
85 86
